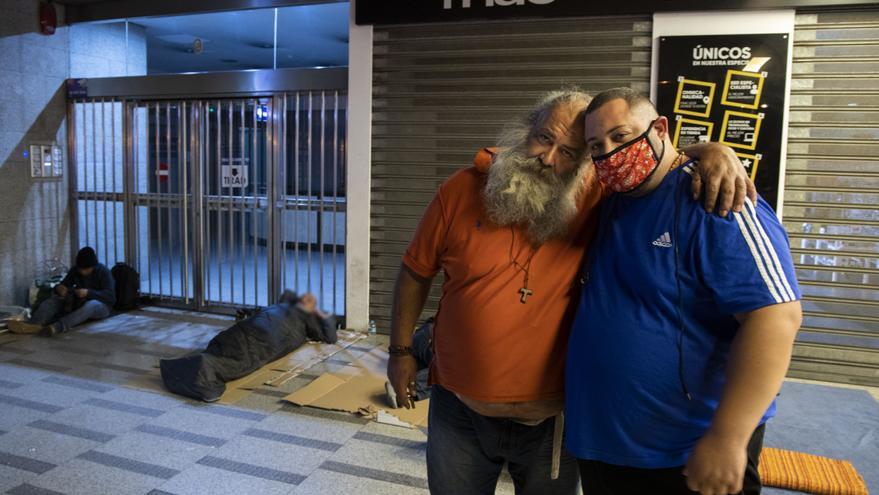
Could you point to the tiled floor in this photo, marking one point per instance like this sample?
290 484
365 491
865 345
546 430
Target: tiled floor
77 418
81 414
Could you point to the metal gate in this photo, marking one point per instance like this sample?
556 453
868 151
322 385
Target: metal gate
159 197
218 202
234 167
831 206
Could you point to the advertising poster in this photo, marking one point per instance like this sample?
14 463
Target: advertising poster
728 89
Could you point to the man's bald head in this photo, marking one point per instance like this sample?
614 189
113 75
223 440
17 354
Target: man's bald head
638 103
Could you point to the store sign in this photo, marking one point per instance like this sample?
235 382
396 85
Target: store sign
77 88
466 4
420 11
163 172
728 89
236 173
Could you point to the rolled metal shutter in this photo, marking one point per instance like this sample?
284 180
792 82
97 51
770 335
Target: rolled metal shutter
831 206
444 91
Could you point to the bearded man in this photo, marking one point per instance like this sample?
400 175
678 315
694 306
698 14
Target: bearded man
509 234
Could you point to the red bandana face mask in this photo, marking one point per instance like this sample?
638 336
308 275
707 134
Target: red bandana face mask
630 165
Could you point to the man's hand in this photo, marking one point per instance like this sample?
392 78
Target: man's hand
717 466
81 293
401 374
61 290
722 177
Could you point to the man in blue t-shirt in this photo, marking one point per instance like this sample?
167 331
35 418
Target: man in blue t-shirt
685 325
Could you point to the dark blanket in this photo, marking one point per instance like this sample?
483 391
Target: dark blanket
244 348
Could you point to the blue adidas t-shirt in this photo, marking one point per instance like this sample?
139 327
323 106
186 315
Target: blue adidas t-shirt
628 357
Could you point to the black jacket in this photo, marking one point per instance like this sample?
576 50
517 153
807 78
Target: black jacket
243 348
99 283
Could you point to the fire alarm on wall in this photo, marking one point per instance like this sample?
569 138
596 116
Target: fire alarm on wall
48 18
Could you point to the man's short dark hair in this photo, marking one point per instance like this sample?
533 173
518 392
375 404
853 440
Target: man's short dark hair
632 98
86 258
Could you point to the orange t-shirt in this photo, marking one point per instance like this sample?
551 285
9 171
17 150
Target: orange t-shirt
488 345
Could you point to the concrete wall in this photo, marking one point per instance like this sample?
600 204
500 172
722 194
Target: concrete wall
34 214
105 50
34 224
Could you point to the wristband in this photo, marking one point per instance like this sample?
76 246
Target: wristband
399 350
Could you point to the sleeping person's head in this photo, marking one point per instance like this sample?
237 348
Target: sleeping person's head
307 303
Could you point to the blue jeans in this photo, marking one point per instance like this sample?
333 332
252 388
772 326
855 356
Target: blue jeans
467 451
52 310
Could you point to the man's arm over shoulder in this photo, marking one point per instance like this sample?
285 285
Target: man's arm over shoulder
726 182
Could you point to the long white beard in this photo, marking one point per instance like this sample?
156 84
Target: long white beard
521 190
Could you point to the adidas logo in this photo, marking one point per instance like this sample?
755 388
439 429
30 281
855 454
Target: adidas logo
663 241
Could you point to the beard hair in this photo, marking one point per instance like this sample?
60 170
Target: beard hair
520 190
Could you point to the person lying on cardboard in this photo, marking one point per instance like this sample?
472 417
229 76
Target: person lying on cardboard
248 345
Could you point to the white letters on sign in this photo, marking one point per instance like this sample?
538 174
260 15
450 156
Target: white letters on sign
235 175
465 4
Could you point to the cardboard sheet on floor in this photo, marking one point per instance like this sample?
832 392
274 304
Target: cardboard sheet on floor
278 372
359 389
272 374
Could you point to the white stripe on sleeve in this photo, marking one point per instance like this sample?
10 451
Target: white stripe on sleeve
764 252
786 286
758 260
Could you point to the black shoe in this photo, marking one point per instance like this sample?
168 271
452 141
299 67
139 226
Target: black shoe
52 330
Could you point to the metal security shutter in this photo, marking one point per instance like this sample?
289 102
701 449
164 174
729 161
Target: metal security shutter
443 91
831 206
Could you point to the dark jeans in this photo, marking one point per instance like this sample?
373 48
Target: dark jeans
606 479
52 309
467 451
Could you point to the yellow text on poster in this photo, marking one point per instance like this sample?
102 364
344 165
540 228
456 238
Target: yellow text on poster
756 75
758 119
681 121
682 86
750 162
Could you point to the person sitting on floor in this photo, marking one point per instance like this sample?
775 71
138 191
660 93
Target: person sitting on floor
88 292
249 344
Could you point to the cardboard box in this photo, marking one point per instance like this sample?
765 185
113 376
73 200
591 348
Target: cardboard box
359 389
